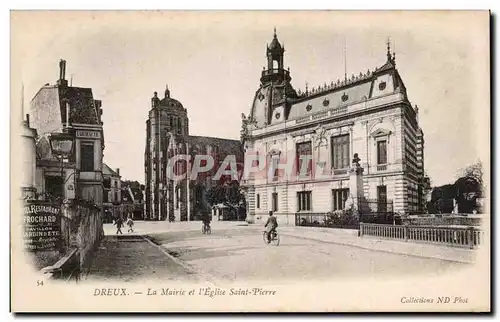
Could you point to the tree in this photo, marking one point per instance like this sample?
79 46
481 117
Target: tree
469 187
132 183
465 190
473 173
230 194
442 199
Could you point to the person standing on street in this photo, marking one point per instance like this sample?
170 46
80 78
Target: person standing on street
130 224
119 225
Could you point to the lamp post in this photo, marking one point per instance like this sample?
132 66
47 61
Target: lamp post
61 146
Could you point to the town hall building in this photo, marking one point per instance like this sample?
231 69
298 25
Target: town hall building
361 132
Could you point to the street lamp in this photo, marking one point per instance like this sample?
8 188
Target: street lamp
61 146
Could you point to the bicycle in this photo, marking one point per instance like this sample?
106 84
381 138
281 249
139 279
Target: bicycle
205 229
275 238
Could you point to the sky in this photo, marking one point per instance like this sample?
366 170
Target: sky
212 62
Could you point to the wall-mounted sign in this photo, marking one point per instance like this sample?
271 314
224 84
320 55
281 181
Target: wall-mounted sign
88 134
42 227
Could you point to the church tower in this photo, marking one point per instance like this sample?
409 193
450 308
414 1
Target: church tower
167 128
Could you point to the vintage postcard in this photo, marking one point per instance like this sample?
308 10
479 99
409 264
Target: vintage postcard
250 161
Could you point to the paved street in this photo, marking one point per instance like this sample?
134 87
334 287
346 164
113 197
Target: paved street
131 259
234 252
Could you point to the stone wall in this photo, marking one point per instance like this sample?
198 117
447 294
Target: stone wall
81 233
85 229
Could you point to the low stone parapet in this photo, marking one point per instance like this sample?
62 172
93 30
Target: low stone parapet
74 235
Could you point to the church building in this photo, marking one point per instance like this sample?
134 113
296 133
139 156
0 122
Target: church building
361 133
167 135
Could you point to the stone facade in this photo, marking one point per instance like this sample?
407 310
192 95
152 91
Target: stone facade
368 115
167 135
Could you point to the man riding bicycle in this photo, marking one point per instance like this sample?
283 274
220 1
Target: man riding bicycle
271 225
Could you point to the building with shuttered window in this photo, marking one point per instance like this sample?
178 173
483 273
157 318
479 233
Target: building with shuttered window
368 114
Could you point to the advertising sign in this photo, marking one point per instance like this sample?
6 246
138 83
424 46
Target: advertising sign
42 227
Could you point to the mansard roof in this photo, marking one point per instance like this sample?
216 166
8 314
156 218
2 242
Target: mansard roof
354 89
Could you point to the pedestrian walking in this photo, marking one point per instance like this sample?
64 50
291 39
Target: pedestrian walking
130 224
119 225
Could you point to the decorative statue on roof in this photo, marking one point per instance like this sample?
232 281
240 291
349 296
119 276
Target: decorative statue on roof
244 128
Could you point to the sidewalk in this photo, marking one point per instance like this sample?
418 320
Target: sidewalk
130 258
350 238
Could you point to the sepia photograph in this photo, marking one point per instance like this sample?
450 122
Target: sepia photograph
250 161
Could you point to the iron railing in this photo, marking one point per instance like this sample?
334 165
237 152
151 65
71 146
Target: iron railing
454 236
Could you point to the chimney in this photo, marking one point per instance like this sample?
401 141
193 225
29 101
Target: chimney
28 120
118 171
62 73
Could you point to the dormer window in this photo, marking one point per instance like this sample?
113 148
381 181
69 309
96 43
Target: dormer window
309 107
326 102
345 97
382 86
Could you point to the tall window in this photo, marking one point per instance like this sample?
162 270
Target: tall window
304 200
179 126
275 202
258 200
382 198
87 156
275 159
382 152
304 149
339 198
340 151
171 120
